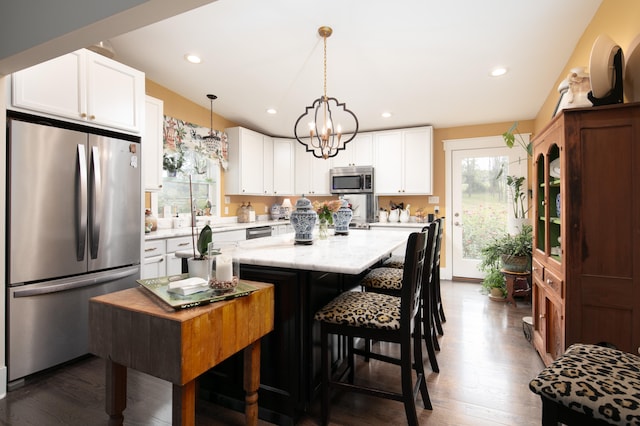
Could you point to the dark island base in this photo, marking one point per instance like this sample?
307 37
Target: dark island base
290 354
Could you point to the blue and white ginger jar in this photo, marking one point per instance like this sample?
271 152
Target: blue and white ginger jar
342 219
303 219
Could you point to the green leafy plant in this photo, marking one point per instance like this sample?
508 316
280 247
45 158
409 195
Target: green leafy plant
513 136
519 244
205 237
172 163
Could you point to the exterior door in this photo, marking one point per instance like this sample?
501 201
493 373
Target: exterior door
480 204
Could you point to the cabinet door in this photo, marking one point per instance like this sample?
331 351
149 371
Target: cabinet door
388 155
417 170
320 176
252 162
153 267
302 184
173 264
152 144
55 87
283 164
267 166
362 149
115 93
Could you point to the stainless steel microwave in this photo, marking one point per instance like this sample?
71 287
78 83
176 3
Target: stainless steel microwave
351 180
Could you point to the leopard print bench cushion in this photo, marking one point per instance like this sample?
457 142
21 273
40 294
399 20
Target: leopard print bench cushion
394 261
383 278
362 309
599 382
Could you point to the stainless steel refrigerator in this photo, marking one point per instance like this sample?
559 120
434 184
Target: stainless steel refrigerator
74 232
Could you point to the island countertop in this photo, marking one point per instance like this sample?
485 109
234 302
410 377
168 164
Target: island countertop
345 254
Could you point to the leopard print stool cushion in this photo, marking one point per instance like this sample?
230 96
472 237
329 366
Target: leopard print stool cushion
394 262
361 309
383 278
599 382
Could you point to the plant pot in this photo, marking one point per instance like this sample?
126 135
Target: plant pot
497 295
515 263
198 268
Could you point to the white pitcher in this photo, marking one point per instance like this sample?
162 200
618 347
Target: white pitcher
405 214
394 216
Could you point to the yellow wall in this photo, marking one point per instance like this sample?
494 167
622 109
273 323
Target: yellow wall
620 20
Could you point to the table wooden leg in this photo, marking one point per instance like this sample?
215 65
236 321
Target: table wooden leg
251 382
510 289
116 392
184 404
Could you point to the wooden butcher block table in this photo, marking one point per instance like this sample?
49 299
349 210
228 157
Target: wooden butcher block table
134 329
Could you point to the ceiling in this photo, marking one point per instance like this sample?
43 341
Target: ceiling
426 62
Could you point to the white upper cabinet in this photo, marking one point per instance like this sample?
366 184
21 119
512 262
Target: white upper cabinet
283 166
267 165
83 86
404 161
359 152
311 173
152 144
245 175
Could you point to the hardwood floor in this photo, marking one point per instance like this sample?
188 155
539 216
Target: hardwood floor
485 367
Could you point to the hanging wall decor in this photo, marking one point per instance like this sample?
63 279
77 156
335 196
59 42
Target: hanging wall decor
182 139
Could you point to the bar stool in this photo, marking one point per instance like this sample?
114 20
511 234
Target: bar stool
381 317
387 280
397 261
590 385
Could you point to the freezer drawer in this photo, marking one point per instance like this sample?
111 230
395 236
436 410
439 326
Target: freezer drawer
48 322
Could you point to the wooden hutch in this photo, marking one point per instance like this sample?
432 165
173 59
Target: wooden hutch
586 243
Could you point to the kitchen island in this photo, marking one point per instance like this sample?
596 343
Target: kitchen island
305 278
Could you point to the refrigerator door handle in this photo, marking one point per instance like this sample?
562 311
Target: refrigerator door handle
74 283
96 200
81 202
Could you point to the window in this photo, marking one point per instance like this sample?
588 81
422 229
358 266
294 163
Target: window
205 188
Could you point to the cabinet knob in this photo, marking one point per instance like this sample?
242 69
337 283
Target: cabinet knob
92 117
83 115
541 316
549 281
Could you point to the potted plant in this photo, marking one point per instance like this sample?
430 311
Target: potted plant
172 163
509 252
198 265
512 137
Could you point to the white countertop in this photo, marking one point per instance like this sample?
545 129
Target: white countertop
347 254
417 225
222 227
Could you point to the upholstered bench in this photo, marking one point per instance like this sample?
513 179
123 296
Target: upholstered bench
590 385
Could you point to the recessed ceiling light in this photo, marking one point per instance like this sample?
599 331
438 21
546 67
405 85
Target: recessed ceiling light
194 59
272 111
386 114
497 72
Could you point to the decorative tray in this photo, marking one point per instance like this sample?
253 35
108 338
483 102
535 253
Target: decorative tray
158 287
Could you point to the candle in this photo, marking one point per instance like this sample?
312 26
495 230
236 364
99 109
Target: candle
224 268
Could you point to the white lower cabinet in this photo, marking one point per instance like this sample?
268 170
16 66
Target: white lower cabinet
221 237
174 264
154 264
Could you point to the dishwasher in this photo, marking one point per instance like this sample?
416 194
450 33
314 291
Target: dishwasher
258 232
